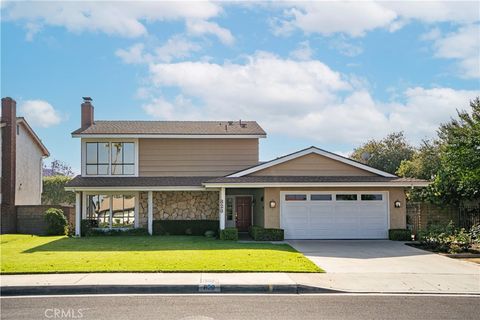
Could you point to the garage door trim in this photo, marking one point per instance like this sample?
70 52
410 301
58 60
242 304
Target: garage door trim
333 193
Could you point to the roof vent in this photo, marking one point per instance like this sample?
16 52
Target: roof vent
87 99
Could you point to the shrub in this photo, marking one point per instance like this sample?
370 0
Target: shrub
57 224
209 234
184 227
475 233
400 234
86 225
263 234
117 232
229 234
445 238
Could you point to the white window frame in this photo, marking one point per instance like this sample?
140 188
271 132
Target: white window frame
84 157
85 195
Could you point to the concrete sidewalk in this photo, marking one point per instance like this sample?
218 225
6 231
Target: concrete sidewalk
231 283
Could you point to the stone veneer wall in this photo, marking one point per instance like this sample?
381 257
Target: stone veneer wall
180 205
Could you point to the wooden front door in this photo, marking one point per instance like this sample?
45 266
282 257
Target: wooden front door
243 207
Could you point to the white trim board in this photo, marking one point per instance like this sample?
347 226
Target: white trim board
317 184
170 136
307 151
126 189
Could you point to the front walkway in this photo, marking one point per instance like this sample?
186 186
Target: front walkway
385 266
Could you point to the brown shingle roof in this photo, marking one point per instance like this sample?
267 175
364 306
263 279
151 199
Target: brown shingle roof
88 182
103 182
173 128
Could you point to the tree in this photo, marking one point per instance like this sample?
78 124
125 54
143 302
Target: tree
385 154
54 191
58 168
424 163
458 178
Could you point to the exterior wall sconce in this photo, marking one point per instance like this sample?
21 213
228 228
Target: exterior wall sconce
273 204
397 204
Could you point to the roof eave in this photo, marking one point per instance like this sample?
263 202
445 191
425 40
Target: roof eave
402 184
36 138
136 188
169 136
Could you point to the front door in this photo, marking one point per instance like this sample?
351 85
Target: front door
243 207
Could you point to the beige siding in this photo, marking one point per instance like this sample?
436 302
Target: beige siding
28 171
312 165
397 215
195 157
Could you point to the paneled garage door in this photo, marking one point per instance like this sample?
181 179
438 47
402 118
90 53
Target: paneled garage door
334 215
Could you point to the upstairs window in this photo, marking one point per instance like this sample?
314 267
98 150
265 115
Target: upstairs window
110 158
123 158
97 158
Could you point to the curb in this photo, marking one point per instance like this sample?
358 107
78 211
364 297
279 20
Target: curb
192 289
159 289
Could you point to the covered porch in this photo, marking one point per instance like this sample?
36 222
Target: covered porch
232 207
143 202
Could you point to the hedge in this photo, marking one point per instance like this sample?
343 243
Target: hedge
184 227
118 232
263 234
400 234
229 234
86 225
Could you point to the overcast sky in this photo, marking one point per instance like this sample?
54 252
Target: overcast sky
329 74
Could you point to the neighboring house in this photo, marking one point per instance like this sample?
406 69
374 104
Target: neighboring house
21 161
210 170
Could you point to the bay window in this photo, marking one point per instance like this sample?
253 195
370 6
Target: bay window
111 211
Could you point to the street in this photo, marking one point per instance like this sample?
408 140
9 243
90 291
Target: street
331 306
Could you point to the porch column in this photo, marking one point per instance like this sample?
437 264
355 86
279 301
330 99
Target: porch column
150 212
78 213
221 208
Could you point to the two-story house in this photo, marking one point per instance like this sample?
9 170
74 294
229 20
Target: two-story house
22 154
136 172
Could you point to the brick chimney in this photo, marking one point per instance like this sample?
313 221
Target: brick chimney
9 150
87 112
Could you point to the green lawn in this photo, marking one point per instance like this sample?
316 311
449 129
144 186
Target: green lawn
34 254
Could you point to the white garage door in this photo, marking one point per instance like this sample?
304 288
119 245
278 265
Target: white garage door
334 215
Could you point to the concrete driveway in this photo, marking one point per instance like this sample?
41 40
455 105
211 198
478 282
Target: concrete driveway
386 266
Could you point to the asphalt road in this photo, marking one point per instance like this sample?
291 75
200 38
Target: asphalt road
276 307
